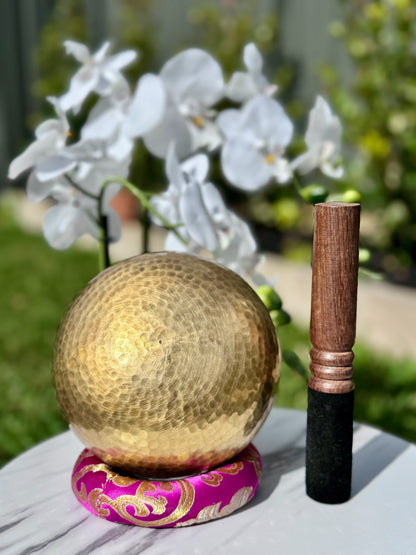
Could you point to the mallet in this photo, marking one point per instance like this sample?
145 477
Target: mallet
332 332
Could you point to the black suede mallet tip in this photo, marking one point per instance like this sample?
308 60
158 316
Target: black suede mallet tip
329 446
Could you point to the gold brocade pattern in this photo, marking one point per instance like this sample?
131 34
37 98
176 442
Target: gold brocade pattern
140 501
213 511
233 468
145 499
212 479
82 492
121 480
117 479
100 503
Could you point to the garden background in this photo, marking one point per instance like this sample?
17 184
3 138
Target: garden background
360 55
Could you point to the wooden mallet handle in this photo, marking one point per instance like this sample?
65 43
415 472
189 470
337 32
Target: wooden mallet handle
332 331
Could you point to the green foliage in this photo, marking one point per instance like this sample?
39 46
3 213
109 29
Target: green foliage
294 362
378 110
37 286
225 28
67 22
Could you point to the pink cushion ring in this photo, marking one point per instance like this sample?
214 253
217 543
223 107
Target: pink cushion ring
164 504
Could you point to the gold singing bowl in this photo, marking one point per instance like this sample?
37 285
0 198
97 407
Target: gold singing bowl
166 365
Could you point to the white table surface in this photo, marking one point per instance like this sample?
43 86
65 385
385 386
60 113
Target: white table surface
39 513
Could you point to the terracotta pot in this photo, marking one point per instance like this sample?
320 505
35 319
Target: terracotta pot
126 205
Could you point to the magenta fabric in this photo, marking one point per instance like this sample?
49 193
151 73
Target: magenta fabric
162 504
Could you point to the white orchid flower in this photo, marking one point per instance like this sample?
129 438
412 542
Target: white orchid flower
188 200
237 248
51 137
75 215
99 73
323 141
73 175
65 222
241 254
245 85
52 160
207 224
47 155
105 128
76 210
255 141
183 203
176 105
147 105
90 167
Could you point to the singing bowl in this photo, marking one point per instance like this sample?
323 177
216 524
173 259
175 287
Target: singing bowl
166 365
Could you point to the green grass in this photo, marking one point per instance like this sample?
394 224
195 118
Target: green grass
37 285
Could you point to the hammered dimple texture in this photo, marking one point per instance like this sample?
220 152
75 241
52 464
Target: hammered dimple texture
166 364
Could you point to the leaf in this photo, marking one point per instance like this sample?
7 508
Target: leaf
295 363
366 273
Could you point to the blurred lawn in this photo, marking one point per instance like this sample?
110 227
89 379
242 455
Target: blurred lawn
37 285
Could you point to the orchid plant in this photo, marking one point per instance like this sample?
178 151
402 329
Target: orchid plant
174 114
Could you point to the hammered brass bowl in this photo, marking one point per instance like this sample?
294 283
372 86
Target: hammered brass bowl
166 365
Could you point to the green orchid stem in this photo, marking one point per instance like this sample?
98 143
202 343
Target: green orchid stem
297 185
144 199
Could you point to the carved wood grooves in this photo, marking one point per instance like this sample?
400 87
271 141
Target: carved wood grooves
334 296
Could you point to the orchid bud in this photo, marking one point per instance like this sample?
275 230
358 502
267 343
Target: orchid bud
364 255
351 195
286 213
270 298
312 194
279 318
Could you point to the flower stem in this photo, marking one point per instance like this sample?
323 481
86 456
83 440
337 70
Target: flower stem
103 252
144 199
79 188
296 184
146 228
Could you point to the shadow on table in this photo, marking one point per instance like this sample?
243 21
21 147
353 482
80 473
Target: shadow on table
368 462
373 458
275 465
